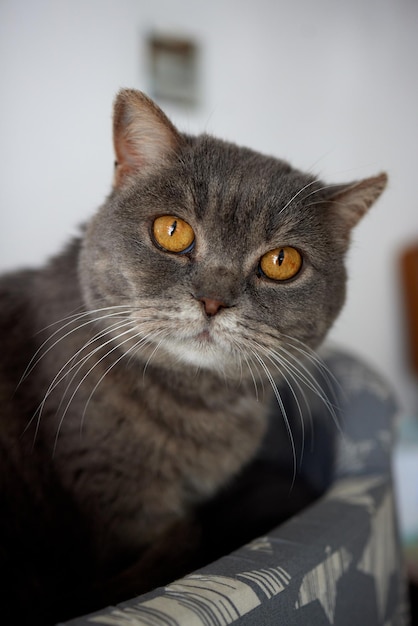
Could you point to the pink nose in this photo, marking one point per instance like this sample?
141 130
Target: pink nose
212 306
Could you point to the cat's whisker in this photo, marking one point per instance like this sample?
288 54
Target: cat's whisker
286 371
303 374
280 402
148 338
250 369
150 357
140 342
64 372
289 365
93 367
59 377
241 355
98 336
84 313
260 376
36 359
77 366
304 382
306 377
314 358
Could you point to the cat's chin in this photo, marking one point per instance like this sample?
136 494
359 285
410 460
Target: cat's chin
203 352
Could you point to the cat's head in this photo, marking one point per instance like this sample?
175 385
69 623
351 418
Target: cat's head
215 255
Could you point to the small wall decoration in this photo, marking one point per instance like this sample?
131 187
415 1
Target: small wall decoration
173 65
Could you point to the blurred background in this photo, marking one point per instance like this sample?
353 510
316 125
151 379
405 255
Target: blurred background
331 86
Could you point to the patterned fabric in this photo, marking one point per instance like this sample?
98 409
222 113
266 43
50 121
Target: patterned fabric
336 563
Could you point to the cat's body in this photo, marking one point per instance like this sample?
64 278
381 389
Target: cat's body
135 373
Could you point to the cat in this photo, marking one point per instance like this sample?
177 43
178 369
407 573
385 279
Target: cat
138 366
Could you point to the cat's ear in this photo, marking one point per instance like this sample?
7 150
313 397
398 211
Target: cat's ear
143 137
353 200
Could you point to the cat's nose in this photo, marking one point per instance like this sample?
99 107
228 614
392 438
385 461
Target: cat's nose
212 306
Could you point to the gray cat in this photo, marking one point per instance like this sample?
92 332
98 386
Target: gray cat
137 367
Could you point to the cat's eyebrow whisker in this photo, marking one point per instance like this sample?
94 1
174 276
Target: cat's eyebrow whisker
312 193
317 190
322 202
313 182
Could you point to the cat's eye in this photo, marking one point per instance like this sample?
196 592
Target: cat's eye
281 263
173 234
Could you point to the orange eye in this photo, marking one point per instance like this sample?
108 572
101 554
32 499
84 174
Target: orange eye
281 263
173 234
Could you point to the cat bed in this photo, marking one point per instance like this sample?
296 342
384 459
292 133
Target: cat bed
338 561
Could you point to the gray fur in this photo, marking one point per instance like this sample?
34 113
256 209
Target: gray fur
117 421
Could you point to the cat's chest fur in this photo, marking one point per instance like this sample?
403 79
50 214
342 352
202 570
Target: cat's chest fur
151 449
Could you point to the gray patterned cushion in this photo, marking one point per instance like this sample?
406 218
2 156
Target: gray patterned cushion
338 562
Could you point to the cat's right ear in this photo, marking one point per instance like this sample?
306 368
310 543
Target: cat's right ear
143 137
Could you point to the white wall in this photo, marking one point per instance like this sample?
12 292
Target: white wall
330 85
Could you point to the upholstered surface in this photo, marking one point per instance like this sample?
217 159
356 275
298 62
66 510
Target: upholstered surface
336 562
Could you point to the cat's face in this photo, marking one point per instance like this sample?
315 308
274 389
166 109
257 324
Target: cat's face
215 256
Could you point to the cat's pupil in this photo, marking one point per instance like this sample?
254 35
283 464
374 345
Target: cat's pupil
172 228
280 258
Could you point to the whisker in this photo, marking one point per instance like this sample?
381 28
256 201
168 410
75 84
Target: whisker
62 374
57 379
282 409
314 358
150 357
241 355
79 364
272 357
102 333
142 340
318 190
313 182
116 347
315 191
34 361
305 376
84 313
260 379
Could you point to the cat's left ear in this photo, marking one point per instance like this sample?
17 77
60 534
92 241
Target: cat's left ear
352 201
143 137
